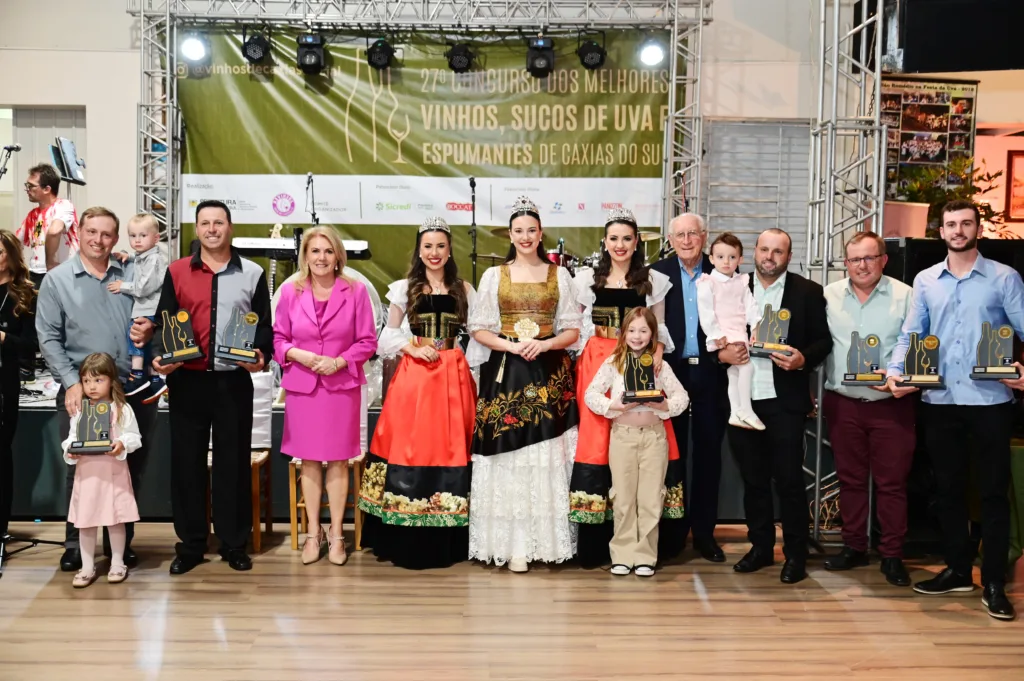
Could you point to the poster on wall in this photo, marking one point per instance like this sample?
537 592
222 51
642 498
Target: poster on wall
930 122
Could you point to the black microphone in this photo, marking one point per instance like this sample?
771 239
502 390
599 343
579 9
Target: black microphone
472 183
12 147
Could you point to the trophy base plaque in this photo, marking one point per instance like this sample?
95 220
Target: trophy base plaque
922 381
643 396
91 447
994 373
231 354
863 379
183 355
759 349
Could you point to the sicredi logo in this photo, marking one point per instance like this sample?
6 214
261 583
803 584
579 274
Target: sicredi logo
381 205
451 205
283 205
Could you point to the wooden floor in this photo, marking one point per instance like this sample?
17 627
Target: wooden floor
370 621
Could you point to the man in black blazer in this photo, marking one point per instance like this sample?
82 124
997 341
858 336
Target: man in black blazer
782 400
704 379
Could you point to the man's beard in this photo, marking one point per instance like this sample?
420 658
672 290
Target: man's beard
970 245
779 270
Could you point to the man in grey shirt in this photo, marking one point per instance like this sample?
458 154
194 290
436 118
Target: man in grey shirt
76 316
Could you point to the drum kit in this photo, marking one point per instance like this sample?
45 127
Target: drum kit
571 261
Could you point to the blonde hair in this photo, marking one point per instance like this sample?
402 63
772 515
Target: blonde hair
334 239
145 219
621 349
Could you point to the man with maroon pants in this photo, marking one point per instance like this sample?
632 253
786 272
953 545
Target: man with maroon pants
872 435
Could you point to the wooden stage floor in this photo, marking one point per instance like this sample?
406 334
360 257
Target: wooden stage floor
370 621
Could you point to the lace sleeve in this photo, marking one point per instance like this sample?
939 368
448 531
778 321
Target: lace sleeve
583 286
397 334
484 316
567 314
597 397
660 286
678 399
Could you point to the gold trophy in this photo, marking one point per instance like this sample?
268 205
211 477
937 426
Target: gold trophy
772 334
93 433
863 359
638 380
238 338
178 338
921 366
995 354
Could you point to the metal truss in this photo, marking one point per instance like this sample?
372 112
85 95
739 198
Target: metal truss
847 184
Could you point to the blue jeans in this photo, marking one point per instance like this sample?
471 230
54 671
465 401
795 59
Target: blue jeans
139 352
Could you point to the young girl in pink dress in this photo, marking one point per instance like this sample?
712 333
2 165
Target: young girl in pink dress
726 307
103 495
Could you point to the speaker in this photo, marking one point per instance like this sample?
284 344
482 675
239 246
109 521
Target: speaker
961 35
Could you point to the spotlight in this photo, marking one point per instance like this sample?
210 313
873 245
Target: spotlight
310 56
379 54
651 52
195 48
591 54
255 48
540 57
460 59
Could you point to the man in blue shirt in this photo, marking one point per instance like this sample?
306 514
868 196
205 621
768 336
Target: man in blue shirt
968 421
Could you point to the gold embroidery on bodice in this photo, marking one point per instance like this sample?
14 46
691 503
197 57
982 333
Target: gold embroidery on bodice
537 302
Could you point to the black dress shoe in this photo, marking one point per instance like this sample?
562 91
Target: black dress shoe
793 571
846 560
709 550
237 560
71 561
894 571
999 606
130 558
945 582
182 564
754 560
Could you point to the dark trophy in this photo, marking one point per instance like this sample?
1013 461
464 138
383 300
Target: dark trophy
178 338
638 380
772 334
238 338
921 366
995 354
93 433
863 359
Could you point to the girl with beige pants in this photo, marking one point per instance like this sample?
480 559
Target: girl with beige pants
638 448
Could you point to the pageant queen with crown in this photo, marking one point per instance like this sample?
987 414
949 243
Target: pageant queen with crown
416 485
526 315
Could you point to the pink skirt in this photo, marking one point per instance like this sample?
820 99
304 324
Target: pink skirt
102 495
322 426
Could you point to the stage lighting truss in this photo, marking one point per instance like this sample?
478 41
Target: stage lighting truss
310 58
195 49
460 58
379 54
255 47
540 57
591 54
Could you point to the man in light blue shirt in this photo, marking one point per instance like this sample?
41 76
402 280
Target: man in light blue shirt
968 421
872 435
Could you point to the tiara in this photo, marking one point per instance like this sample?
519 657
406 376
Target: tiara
620 215
524 205
434 224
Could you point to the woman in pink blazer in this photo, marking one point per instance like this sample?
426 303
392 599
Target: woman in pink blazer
323 333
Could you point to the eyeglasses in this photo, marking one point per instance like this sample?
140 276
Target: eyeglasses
868 260
686 236
29 185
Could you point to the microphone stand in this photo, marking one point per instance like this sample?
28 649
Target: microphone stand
312 200
472 226
3 162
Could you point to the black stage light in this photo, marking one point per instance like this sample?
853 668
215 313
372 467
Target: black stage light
311 53
540 57
379 54
460 58
591 54
255 48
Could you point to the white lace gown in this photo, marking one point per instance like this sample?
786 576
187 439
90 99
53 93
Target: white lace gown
519 500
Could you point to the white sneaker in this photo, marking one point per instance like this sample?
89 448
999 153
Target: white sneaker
620 569
735 420
753 422
518 565
644 571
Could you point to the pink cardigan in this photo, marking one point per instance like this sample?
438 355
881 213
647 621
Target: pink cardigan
347 330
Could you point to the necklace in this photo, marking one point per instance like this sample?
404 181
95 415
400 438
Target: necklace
436 289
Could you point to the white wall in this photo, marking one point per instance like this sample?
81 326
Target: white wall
79 53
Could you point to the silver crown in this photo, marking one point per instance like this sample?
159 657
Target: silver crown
434 224
522 205
620 215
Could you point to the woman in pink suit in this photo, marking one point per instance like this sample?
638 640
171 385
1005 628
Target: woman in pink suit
323 333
